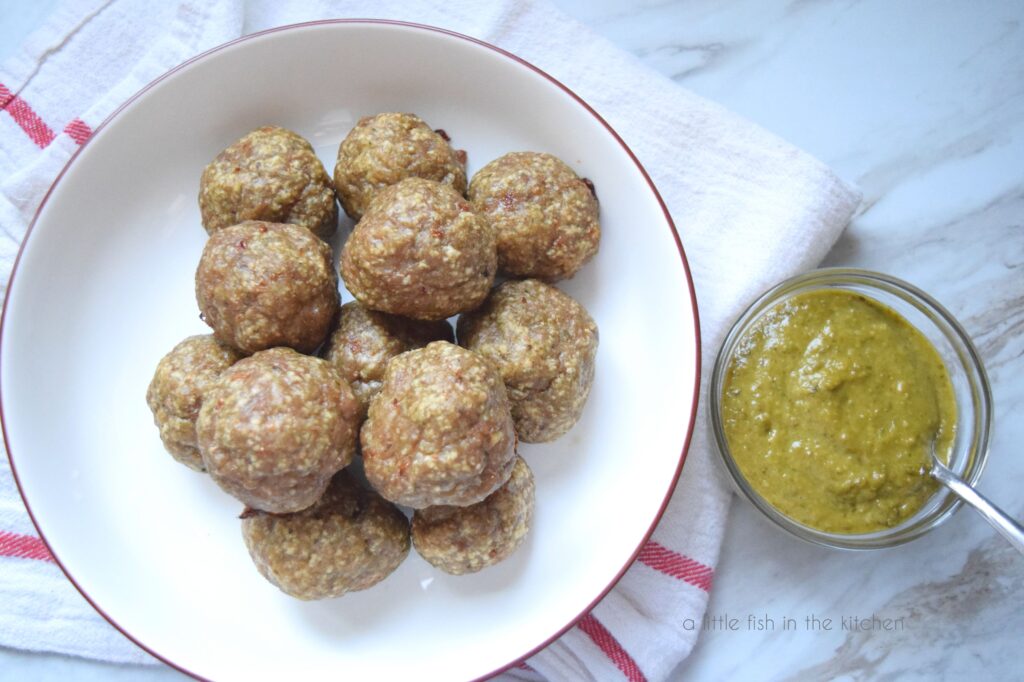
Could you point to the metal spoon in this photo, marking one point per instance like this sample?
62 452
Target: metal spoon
1007 527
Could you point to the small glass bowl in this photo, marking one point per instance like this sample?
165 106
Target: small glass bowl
966 372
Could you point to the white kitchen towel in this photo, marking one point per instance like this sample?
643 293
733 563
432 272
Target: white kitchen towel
750 210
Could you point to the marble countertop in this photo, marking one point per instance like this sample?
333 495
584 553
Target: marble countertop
922 105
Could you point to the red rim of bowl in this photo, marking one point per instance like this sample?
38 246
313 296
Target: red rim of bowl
668 217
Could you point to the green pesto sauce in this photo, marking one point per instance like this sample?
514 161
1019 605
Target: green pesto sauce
830 402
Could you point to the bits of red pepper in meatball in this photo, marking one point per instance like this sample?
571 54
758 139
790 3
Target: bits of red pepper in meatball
271 174
462 540
365 340
439 431
420 251
544 216
350 540
182 379
276 427
262 285
544 343
385 149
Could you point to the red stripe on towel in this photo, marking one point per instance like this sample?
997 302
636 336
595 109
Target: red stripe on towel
674 564
78 130
23 115
23 547
607 643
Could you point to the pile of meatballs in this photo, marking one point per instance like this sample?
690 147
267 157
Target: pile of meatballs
292 387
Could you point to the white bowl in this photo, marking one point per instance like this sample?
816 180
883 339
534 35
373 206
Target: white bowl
104 287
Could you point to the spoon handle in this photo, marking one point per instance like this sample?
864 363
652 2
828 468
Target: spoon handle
1007 527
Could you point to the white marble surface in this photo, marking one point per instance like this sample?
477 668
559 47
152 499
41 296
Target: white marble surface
922 105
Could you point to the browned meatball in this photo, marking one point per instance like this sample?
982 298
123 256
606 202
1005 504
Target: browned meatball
275 427
421 252
544 216
365 340
466 539
261 285
182 379
387 148
270 174
544 343
439 431
350 540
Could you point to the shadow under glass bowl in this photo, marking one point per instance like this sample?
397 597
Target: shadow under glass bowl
966 373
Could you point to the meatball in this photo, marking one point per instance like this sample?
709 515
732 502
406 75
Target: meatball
182 379
439 431
387 148
365 340
544 343
462 540
270 174
350 540
421 252
261 285
275 427
545 218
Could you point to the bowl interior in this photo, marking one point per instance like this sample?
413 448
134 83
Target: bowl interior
104 288
966 373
